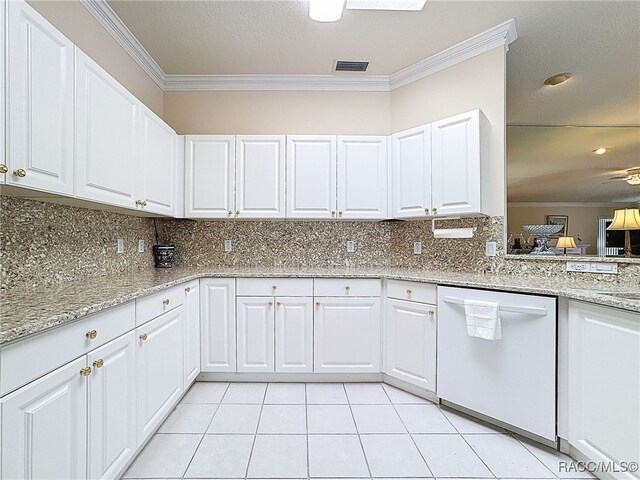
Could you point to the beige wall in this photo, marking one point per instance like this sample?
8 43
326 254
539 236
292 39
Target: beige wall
76 23
583 221
264 112
479 82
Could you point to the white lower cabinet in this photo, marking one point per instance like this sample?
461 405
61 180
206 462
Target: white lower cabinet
159 367
347 335
294 334
112 407
604 385
44 426
218 325
255 330
191 332
410 343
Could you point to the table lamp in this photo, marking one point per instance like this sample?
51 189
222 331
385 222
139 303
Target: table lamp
566 242
626 219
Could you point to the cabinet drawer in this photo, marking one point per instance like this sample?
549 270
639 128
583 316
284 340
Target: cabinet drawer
270 287
346 287
413 291
152 306
33 357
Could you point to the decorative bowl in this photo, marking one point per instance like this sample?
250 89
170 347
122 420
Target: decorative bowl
543 230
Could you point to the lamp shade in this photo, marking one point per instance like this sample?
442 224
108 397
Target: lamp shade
566 242
626 219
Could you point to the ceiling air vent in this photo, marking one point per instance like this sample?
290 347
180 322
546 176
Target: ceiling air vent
348 66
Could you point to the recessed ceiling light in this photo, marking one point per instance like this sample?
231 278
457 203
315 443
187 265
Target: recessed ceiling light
326 10
600 151
557 79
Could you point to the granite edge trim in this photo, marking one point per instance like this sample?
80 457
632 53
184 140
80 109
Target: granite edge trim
17 333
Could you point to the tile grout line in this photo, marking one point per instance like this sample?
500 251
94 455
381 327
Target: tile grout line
408 432
364 454
204 433
255 436
465 441
306 423
533 453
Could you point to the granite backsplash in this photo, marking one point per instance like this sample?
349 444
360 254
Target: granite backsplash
48 244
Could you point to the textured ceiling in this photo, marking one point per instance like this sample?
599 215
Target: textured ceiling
557 164
598 41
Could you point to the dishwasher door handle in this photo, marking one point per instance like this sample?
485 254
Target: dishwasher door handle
539 311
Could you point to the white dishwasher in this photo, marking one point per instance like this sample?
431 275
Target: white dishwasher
512 380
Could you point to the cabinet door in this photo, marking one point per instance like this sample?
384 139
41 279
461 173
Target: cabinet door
112 407
456 164
410 343
209 176
40 108
362 177
107 119
260 176
412 172
44 426
218 324
255 334
347 335
294 334
191 332
160 371
604 354
311 176
158 165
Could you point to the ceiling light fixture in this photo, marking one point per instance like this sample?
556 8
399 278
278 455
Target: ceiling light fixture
557 79
326 10
600 151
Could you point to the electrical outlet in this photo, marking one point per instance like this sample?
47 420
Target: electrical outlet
120 246
228 246
351 246
140 246
490 249
417 248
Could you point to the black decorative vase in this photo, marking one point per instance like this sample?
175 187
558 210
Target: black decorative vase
163 255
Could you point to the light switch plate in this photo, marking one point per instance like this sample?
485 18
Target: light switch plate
228 246
120 246
140 246
351 246
578 266
490 249
417 248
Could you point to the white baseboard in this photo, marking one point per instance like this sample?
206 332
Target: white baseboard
407 387
289 377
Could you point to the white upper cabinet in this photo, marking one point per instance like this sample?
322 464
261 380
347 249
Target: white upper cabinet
158 169
209 176
260 176
456 164
107 119
311 176
40 103
411 150
362 177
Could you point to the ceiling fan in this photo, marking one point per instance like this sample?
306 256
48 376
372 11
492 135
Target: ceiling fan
632 177
331 10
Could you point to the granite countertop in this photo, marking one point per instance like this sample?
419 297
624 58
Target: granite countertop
24 313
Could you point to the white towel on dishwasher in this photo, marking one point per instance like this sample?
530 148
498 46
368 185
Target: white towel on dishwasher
483 319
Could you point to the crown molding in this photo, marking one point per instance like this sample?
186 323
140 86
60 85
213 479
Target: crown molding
112 23
565 204
500 35
370 83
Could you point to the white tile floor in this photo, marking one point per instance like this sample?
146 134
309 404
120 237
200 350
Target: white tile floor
331 430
